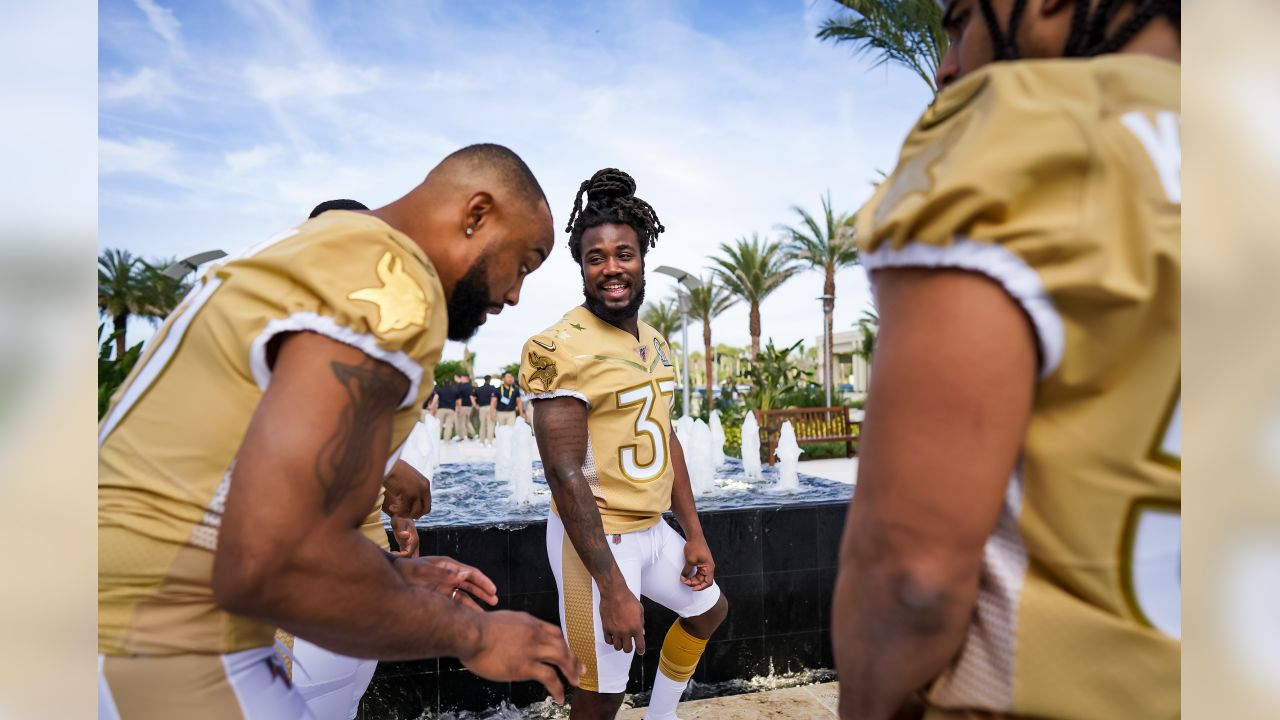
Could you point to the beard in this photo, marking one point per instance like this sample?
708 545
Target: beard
611 315
470 301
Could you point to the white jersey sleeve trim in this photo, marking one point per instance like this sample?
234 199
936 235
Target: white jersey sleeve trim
998 263
327 326
558 393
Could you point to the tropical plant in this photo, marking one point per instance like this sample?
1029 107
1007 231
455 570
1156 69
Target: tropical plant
663 316
112 370
902 32
806 395
824 243
868 327
705 303
752 270
773 375
447 369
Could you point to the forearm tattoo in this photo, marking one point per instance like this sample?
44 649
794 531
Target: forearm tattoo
348 456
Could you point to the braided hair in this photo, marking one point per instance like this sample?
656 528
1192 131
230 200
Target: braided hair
611 199
1088 35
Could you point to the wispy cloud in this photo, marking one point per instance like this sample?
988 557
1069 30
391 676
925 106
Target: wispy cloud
253 158
147 87
164 23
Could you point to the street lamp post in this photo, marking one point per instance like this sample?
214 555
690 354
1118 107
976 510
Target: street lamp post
690 283
186 265
828 302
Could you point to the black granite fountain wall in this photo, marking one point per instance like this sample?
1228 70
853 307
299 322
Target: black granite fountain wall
775 564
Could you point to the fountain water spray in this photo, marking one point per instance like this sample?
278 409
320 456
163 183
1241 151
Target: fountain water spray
684 431
717 439
420 450
502 452
521 471
788 454
751 447
698 455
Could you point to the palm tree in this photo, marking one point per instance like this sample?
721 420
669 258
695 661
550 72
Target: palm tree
160 293
121 292
752 270
663 316
826 244
705 303
904 32
128 285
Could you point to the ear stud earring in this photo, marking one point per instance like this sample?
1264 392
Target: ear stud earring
469 231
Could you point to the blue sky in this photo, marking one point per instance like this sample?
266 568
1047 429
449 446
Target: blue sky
221 123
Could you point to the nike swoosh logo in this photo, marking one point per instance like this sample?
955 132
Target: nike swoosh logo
544 346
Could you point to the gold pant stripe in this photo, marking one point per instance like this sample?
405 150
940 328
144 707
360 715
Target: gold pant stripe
167 687
579 615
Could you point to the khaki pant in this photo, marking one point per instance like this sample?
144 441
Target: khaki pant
506 417
448 421
486 425
465 428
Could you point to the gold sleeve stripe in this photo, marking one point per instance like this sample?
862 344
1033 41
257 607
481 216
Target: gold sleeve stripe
327 326
998 263
159 361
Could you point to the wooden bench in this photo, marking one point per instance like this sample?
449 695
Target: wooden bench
812 425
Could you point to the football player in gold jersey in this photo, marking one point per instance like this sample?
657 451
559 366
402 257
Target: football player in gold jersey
1013 545
283 388
603 385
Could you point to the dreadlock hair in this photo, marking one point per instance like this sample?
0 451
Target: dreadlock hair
1088 35
611 199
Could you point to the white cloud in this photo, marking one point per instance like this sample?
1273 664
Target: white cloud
164 23
253 158
312 81
149 158
147 86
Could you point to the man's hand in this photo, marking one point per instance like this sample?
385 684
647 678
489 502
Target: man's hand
622 619
406 537
449 577
408 492
517 646
698 555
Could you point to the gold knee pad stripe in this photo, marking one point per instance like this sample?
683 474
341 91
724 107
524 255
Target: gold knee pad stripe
680 653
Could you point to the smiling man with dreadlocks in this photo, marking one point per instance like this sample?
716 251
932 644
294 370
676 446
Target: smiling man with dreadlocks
603 383
1013 548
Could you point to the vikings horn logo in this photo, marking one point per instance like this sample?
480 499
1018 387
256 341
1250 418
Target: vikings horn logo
544 371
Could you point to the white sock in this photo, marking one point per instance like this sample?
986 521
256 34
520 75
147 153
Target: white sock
664 698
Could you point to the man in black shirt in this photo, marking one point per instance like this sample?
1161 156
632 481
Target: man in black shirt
485 395
446 407
507 402
466 406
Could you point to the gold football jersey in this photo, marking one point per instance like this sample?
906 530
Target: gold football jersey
628 385
1060 180
167 442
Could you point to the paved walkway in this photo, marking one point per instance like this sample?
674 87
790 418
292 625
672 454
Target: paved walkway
809 702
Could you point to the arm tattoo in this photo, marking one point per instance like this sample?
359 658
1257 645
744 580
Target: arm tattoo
566 446
348 456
